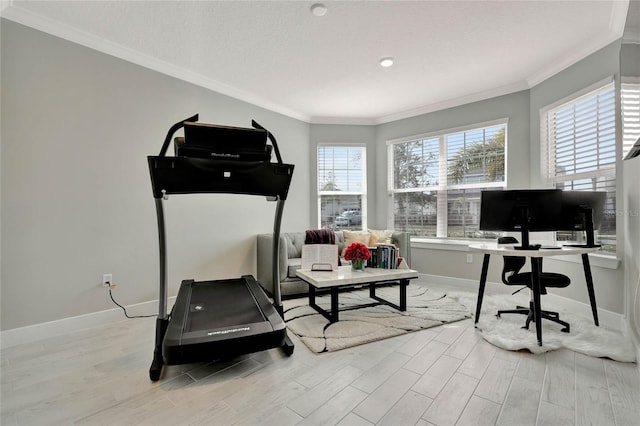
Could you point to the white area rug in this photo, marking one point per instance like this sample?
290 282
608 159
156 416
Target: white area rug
506 332
425 308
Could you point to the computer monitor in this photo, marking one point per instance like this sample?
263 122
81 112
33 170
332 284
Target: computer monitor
582 211
530 210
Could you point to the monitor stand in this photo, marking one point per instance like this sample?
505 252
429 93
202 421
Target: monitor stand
524 231
591 240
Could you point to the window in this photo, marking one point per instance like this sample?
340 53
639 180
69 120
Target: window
630 115
342 186
579 151
435 180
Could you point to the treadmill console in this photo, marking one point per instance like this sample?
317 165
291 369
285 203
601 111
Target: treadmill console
203 140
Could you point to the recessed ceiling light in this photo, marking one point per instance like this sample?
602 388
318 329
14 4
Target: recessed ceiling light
319 9
386 62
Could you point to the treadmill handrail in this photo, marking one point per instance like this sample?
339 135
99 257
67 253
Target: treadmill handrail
272 138
179 125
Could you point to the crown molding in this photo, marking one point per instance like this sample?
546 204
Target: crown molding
439 106
12 11
455 102
616 27
21 16
347 121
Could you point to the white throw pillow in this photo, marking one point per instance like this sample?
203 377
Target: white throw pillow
356 237
380 237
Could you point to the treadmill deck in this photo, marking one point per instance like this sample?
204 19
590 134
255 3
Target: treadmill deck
221 318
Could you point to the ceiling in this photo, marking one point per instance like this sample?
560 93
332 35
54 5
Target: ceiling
278 55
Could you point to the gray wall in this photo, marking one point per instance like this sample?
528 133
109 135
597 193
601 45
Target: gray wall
76 198
523 170
77 126
609 283
631 217
630 208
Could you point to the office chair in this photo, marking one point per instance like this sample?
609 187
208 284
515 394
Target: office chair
511 275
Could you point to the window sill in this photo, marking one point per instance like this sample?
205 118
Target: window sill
443 244
600 260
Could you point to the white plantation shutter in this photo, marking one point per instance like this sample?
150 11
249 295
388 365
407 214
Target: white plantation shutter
579 148
581 137
630 115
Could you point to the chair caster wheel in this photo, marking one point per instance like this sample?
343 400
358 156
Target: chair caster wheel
565 330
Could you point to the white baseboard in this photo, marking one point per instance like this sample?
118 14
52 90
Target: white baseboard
36 332
607 319
634 338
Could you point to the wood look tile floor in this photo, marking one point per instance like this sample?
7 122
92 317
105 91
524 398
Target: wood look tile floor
447 375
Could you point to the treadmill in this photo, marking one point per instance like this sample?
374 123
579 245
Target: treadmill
220 318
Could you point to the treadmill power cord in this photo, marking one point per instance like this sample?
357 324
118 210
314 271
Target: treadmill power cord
124 309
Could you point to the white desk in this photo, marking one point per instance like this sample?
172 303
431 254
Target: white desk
508 250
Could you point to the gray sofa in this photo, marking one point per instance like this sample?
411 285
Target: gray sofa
290 259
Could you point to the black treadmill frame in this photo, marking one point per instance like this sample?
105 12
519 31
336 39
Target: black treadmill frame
188 175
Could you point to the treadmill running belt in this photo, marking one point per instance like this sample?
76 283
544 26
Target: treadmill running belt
220 304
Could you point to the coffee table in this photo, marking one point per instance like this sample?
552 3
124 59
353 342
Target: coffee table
345 278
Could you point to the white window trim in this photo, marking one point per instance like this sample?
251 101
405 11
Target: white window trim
600 260
445 132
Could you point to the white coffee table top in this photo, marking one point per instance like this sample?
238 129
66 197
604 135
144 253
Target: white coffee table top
345 276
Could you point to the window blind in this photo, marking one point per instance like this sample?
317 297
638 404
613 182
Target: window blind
579 150
630 115
581 137
342 186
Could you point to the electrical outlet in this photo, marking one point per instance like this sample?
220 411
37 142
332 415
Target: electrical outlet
469 258
107 280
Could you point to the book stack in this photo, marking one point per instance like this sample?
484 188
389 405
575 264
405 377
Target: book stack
385 256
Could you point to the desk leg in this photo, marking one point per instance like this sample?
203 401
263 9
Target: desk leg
592 295
535 287
483 281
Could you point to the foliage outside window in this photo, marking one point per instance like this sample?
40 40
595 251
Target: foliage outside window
342 187
435 180
579 152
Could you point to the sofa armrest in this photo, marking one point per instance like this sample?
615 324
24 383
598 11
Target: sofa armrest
264 259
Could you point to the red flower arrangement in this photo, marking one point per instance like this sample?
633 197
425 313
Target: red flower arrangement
357 251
